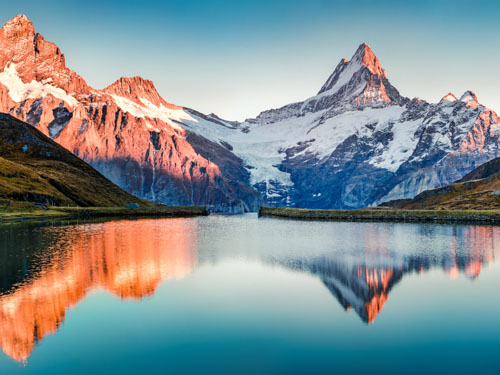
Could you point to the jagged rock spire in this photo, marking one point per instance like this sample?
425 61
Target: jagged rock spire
35 58
362 79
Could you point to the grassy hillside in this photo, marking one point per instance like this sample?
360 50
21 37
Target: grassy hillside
36 170
478 190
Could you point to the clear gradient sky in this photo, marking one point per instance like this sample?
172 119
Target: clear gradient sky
237 58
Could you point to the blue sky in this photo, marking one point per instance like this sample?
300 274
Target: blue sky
238 58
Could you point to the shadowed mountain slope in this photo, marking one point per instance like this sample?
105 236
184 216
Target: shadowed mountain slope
479 189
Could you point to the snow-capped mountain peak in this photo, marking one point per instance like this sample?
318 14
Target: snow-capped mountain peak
36 59
138 90
346 69
365 57
358 142
361 80
468 96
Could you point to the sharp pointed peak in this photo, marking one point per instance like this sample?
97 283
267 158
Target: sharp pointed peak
364 48
19 21
470 99
363 59
448 98
362 51
364 55
20 18
468 96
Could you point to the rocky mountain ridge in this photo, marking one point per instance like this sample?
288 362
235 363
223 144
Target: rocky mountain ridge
126 131
356 143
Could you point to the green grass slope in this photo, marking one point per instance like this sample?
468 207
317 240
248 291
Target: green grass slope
35 169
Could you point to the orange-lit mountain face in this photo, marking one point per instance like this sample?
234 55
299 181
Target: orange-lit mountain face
357 142
36 59
127 258
138 90
126 131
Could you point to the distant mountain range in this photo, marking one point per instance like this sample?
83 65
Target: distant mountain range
357 142
36 170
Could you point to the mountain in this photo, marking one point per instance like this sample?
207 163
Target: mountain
479 189
358 142
33 168
126 131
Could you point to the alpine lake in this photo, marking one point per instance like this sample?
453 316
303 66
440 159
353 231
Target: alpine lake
246 295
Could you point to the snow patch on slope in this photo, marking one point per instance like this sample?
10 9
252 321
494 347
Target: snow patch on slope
400 148
148 109
20 91
259 146
344 77
329 135
262 146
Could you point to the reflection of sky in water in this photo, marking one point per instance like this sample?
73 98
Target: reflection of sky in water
275 290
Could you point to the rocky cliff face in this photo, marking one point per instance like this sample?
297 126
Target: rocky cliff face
126 131
358 142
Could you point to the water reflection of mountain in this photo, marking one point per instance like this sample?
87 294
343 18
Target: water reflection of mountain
46 273
363 282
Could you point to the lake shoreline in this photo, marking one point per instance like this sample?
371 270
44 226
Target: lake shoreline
384 215
57 213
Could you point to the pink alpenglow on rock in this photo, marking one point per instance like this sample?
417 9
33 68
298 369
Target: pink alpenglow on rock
127 131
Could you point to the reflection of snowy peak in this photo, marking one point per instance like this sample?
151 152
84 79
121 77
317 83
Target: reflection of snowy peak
358 142
363 282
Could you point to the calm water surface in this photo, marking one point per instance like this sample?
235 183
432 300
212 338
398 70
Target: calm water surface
238 294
